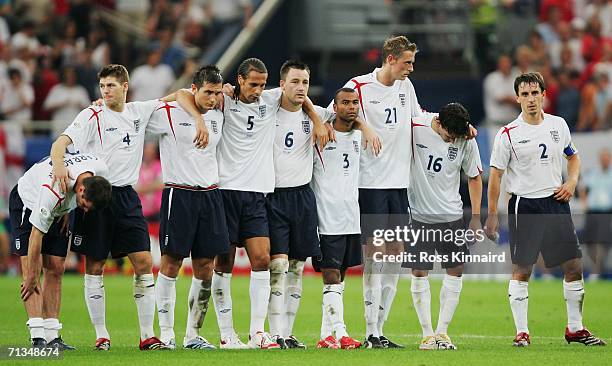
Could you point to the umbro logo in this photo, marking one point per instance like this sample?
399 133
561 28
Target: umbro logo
523 141
374 102
138 296
296 296
163 311
225 311
276 293
421 146
330 148
185 124
368 303
235 110
95 297
111 129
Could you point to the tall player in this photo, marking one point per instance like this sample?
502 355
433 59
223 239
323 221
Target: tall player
532 148
440 153
246 173
41 239
291 208
387 103
192 215
115 133
335 184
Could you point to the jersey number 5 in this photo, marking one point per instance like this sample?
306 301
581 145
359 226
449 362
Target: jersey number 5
250 123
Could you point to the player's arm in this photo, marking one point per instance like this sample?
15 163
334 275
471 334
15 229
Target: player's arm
30 283
475 189
492 222
567 189
59 171
185 99
320 134
369 136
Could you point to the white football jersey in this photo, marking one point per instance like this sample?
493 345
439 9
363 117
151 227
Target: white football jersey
434 190
182 162
533 155
293 148
116 137
388 111
335 182
47 202
245 152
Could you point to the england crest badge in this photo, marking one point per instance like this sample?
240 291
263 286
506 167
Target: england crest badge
555 135
452 153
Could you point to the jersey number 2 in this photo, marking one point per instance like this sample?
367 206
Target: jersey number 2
543 156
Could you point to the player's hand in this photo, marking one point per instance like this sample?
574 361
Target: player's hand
61 174
98 102
201 137
372 139
330 131
491 226
475 226
320 135
565 192
472 133
65 220
29 287
228 89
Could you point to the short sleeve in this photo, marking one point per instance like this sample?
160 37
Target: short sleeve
568 146
83 129
324 113
42 215
471 164
500 156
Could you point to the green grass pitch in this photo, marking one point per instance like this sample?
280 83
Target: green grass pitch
482 327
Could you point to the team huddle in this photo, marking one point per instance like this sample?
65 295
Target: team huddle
288 180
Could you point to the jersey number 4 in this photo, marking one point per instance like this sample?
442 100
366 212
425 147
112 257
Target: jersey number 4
126 139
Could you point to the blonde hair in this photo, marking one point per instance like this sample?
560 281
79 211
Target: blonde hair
395 46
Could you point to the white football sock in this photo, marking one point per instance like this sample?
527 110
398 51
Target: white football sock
52 327
518 295
449 298
197 302
96 304
37 328
222 299
574 297
326 324
389 280
421 298
259 290
276 306
144 295
332 303
293 294
372 290
165 295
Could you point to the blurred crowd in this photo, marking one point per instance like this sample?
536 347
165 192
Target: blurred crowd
568 41
51 51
